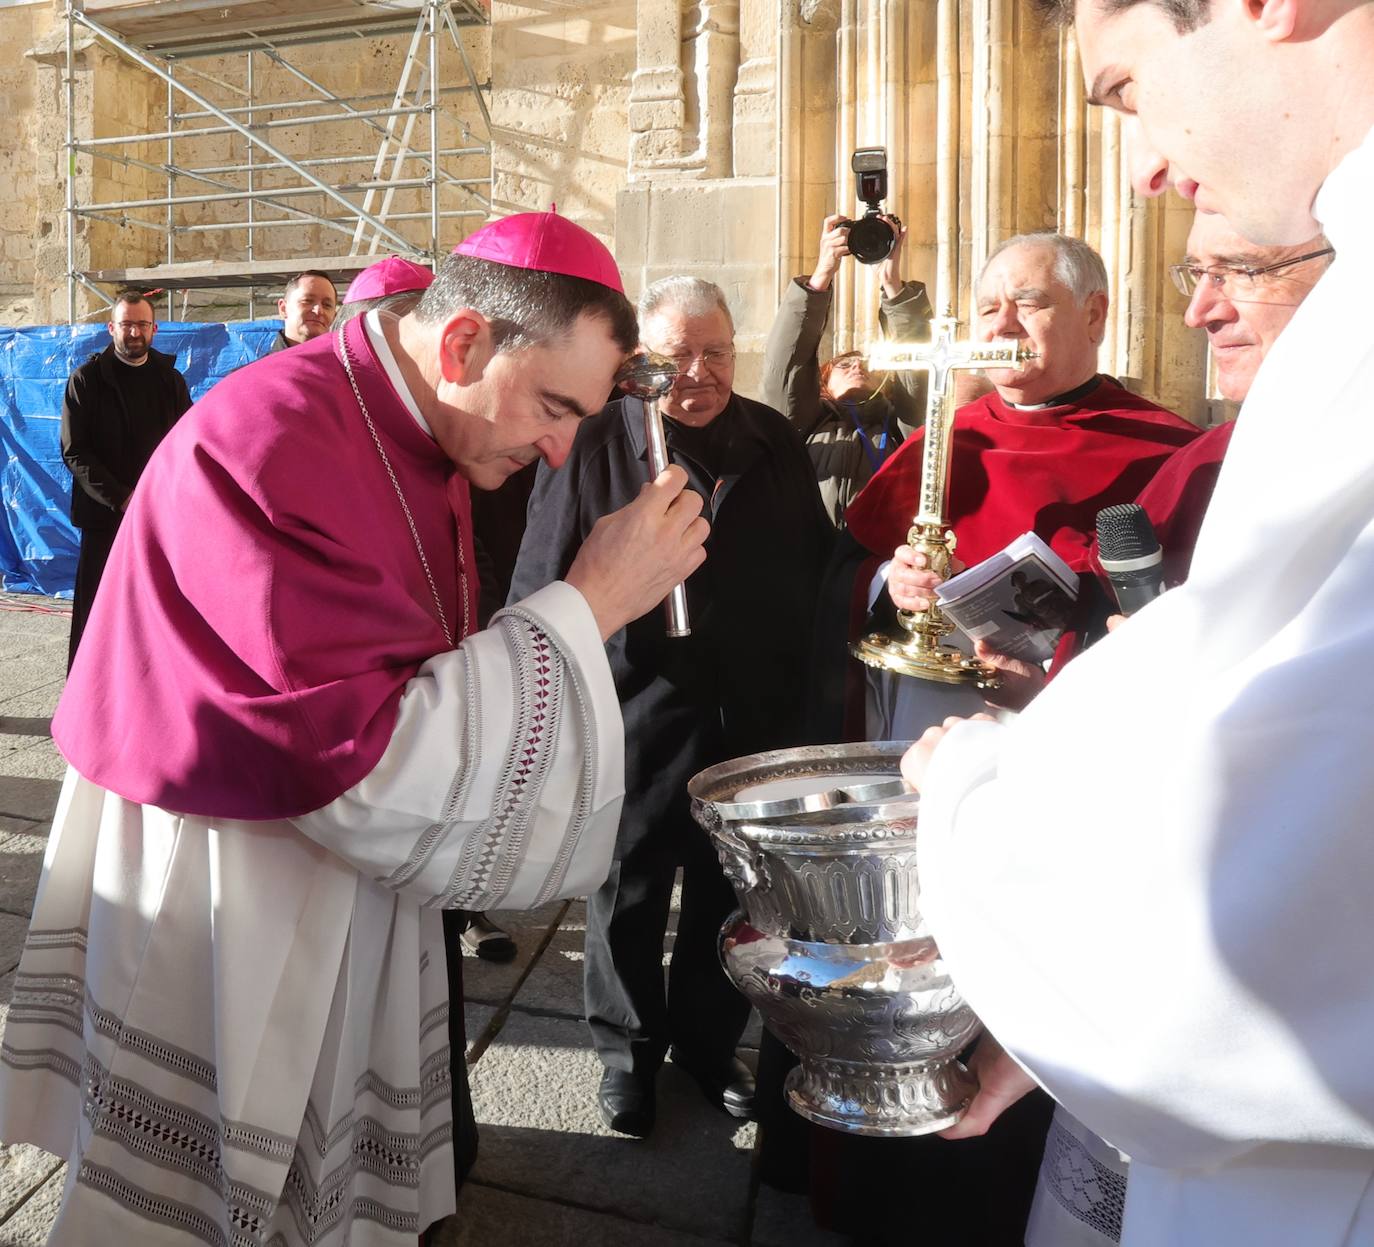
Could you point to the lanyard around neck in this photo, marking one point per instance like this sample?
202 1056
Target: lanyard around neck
877 454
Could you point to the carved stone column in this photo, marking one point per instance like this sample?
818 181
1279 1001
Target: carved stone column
658 102
754 151
711 50
1073 154
806 135
994 148
945 293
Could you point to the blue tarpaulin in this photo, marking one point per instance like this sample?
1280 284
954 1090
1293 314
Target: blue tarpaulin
38 544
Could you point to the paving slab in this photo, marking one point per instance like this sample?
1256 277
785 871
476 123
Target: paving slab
534 1091
28 1226
22 725
554 986
29 797
782 1220
38 760
38 701
12 743
21 862
30 825
476 1020
488 1217
31 671
13 929
493 982
23 1170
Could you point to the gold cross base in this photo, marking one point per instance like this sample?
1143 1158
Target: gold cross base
920 655
918 648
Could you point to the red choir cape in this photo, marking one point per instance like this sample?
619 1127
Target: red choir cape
1177 498
264 605
1051 470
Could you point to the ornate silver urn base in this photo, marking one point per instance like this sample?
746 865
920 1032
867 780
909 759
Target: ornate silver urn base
820 845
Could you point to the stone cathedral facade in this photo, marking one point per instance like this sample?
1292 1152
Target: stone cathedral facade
713 137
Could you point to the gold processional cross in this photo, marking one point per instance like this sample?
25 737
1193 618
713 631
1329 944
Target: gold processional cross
921 650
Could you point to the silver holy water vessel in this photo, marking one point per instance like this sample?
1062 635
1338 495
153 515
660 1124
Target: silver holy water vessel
830 946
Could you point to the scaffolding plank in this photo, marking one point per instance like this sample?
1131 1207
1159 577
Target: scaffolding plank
232 274
184 28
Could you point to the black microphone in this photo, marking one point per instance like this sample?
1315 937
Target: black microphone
1129 553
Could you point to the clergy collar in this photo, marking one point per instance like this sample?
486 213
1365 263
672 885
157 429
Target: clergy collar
376 335
1061 400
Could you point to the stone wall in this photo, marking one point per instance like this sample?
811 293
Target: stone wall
115 96
701 136
25 165
560 97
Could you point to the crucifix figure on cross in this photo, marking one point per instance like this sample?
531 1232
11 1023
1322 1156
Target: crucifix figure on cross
921 650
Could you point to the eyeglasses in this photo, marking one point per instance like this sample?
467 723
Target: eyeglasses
1235 281
714 360
850 363
141 325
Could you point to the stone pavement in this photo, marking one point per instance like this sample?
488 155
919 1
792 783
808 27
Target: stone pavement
548 1172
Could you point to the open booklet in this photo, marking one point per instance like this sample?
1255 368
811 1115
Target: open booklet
1019 601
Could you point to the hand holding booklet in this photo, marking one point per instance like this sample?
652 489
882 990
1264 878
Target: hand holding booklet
1019 601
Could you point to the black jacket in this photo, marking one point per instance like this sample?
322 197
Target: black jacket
737 684
792 384
106 444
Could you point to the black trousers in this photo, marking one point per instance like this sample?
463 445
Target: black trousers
633 1019
96 544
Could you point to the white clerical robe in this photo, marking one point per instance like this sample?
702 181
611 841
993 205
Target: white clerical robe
1157 885
259 1009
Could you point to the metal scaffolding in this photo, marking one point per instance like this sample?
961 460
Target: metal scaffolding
258 199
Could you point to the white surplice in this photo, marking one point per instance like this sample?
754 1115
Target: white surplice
236 1032
1080 1193
1157 885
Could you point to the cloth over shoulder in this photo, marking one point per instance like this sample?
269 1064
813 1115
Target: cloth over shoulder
1050 469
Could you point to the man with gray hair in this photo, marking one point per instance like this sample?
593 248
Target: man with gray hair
690 701
1052 443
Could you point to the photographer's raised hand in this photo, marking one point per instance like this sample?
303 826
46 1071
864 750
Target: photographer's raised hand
891 272
834 247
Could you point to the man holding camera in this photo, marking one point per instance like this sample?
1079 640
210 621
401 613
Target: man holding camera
851 421
1051 445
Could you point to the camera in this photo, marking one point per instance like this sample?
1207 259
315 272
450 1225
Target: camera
870 238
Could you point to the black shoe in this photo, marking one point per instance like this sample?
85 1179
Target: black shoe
729 1086
626 1102
485 939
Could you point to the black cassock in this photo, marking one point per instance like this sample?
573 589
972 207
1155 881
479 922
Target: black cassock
735 686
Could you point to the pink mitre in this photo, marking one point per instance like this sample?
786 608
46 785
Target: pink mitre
390 276
547 243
